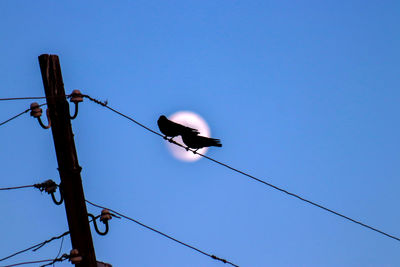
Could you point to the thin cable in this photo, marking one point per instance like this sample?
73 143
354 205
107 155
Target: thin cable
26 262
19 252
35 247
165 235
60 259
16 187
59 250
104 104
301 198
16 116
251 176
40 245
22 98
32 97
41 186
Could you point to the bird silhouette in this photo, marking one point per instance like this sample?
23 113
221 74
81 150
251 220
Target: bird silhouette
197 141
172 129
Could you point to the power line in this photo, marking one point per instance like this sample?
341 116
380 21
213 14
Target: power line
16 116
52 261
40 186
301 198
31 97
61 245
16 187
26 262
36 247
62 258
19 114
165 235
248 175
104 104
41 244
22 98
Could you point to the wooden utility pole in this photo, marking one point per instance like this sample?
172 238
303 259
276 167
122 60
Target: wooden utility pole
67 159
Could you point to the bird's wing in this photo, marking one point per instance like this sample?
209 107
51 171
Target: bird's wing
183 129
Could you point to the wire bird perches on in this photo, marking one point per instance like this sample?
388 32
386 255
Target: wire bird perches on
105 104
248 175
165 235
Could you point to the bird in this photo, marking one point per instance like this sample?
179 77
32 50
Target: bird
197 141
172 129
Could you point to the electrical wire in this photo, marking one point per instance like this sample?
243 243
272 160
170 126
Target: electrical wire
301 198
41 186
41 244
248 175
26 262
60 259
165 235
19 114
59 250
22 98
52 261
104 104
32 97
16 187
36 247
16 116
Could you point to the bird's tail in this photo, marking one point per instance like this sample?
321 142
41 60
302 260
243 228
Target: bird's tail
215 142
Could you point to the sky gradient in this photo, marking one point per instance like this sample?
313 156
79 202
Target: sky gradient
303 94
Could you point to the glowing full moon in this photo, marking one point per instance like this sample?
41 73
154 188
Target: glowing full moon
192 120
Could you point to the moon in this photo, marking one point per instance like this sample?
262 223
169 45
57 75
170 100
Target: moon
192 120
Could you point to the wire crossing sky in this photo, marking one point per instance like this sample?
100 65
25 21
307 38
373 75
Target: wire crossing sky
40 245
248 175
165 235
19 114
225 165
305 94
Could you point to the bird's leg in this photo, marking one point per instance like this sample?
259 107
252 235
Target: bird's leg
170 140
165 138
195 151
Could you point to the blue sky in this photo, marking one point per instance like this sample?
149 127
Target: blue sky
302 94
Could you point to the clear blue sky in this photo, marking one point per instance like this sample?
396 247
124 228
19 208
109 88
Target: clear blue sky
303 94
